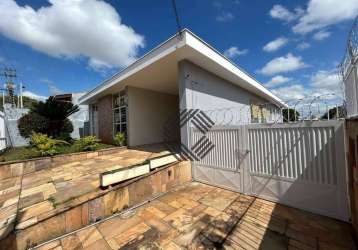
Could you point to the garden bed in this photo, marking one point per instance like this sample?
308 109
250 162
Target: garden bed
15 168
24 153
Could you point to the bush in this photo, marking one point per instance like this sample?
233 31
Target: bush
44 144
31 123
65 131
119 139
88 143
49 117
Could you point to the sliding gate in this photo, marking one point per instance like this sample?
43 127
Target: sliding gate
301 165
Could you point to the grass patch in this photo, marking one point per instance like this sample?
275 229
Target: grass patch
23 153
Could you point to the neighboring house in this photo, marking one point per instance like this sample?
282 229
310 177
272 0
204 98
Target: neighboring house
184 72
13 114
80 118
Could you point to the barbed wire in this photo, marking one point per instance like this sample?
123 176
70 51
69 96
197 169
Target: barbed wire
327 106
351 51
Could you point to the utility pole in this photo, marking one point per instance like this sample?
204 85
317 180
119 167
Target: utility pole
21 99
10 75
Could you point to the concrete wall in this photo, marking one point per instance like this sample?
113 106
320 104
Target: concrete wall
351 90
79 118
226 103
105 120
12 115
148 114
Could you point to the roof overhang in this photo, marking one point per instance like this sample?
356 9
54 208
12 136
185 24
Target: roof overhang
160 66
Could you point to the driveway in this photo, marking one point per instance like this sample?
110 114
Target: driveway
198 216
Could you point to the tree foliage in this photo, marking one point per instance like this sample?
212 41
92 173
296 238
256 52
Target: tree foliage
290 115
333 113
49 117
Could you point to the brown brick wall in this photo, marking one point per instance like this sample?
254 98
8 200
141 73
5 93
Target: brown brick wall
105 119
352 148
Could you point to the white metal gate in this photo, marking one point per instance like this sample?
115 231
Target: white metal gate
224 165
302 164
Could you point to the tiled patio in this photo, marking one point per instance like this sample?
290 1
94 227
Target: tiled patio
48 190
198 216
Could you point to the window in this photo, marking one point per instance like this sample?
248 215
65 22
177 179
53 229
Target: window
260 113
120 112
94 119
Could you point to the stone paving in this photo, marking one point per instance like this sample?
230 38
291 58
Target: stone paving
47 191
198 216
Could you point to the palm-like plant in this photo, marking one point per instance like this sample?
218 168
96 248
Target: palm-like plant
54 109
55 113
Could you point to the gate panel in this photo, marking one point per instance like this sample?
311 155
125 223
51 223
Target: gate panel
300 165
223 165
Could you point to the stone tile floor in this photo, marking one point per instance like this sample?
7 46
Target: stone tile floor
198 216
49 189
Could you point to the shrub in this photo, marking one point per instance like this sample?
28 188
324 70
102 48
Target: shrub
31 123
65 132
51 118
88 143
44 144
119 139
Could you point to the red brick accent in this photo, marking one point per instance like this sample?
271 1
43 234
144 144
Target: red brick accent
105 119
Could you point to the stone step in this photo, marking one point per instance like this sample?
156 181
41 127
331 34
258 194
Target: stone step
70 211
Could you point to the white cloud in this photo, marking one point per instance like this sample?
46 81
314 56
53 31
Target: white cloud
225 16
233 52
277 81
286 93
303 46
280 12
322 13
52 87
34 96
73 29
321 35
326 82
275 44
281 64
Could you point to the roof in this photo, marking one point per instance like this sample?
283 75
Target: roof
188 46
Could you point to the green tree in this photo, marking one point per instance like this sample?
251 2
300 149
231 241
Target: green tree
53 116
333 113
290 114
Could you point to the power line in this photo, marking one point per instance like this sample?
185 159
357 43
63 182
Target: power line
176 16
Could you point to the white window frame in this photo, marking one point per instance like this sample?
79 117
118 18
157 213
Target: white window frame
119 108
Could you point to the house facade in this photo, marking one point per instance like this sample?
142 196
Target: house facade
144 100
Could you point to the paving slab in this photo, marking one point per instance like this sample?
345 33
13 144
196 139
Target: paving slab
180 220
49 190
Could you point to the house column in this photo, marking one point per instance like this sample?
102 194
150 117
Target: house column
184 98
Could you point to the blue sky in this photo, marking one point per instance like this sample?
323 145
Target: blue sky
59 46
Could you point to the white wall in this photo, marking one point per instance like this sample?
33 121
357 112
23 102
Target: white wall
148 112
351 91
79 118
224 102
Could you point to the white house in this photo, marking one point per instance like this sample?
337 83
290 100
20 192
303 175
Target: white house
184 72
